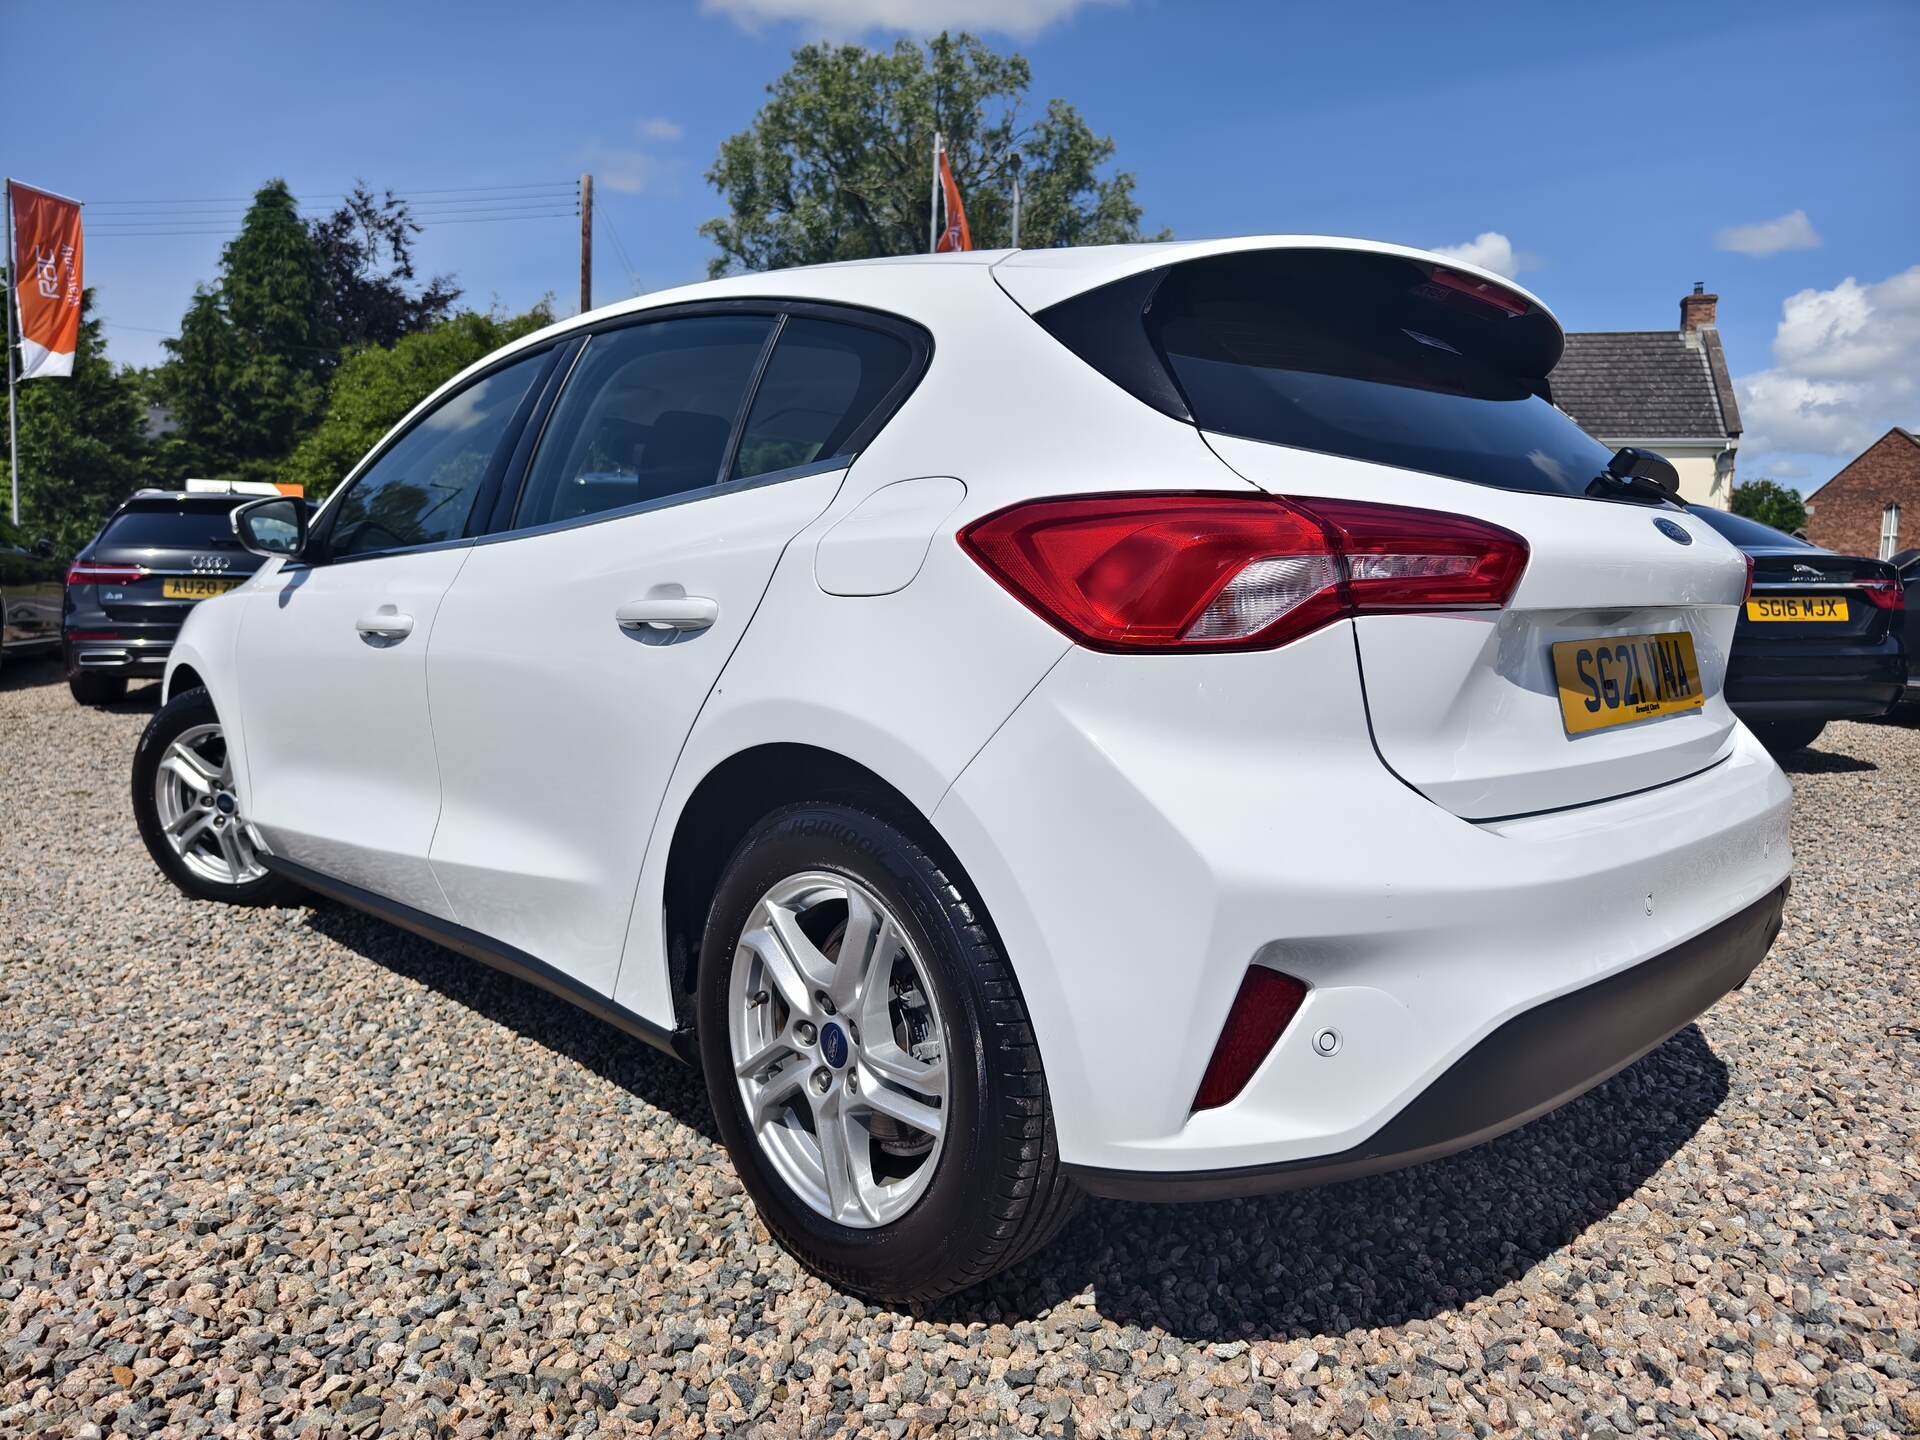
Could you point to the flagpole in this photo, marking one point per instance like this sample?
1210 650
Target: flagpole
13 417
1016 201
933 200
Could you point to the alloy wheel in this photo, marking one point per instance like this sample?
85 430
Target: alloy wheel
199 809
838 1048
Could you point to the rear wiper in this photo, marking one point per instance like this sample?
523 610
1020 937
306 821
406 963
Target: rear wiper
1642 473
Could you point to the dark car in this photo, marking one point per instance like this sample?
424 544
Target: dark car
29 595
1907 562
1820 638
158 555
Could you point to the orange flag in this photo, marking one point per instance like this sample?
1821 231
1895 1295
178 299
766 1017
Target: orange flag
46 271
955 236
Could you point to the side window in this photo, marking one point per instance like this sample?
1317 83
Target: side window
823 382
421 490
647 413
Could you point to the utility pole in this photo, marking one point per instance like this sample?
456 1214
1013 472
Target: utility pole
586 243
1014 161
13 419
933 200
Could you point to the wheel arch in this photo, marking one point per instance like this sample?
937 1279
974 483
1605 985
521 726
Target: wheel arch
180 679
730 799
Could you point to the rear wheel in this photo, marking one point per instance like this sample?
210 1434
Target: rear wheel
1782 737
871 1062
188 809
92 689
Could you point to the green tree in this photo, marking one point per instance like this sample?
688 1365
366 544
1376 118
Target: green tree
81 443
838 164
366 264
248 374
1771 503
373 388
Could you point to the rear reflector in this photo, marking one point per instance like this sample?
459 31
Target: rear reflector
1160 572
84 574
1265 1006
1885 594
93 635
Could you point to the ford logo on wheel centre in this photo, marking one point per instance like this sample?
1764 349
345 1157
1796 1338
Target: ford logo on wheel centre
833 1045
1674 532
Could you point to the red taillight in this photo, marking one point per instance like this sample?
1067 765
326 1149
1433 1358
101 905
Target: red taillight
1482 292
1265 1006
1748 595
84 574
1228 572
1884 594
93 635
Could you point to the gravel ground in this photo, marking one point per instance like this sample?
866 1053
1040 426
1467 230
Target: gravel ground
295 1172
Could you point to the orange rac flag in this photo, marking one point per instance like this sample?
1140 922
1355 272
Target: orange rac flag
955 236
45 267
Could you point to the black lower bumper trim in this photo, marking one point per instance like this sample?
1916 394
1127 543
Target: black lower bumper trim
1536 1062
486 949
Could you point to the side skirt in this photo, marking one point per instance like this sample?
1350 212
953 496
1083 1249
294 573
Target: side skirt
503 957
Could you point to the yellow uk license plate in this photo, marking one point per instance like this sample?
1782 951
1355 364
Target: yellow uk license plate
1801 609
1625 678
196 587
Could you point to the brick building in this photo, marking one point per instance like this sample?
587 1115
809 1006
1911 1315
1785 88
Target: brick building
1661 390
1872 507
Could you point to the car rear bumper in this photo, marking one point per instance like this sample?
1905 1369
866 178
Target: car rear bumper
1143 833
1832 686
1534 1063
138 658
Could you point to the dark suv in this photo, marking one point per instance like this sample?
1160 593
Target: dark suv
158 555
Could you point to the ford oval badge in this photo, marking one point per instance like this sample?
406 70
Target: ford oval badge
1674 532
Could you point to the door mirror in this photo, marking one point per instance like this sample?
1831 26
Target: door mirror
275 526
43 547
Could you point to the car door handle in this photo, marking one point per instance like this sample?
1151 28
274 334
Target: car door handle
668 612
384 625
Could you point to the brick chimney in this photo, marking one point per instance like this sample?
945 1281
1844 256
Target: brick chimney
1697 310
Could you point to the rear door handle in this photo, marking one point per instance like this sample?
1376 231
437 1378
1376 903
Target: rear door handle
384 625
668 612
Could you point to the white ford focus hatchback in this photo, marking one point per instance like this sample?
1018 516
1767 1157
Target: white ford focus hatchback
1160 721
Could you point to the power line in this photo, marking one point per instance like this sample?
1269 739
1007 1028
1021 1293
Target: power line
436 222
633 277
475 190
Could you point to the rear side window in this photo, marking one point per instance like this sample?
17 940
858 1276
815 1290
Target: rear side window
647 414
823 384
1371 357
171 529
422 489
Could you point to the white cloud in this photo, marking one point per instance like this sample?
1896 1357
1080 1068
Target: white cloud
1491 250
632 169
1789 232
1846 367
1022 19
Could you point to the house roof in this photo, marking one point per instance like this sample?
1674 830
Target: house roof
1647 385
1900 430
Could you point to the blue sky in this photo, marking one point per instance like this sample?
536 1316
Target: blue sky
1603 152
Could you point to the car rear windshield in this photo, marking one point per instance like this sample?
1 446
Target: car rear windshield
170 529
1748 534
1373 357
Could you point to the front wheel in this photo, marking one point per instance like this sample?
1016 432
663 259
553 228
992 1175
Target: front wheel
1782 737
870 1060
188 809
